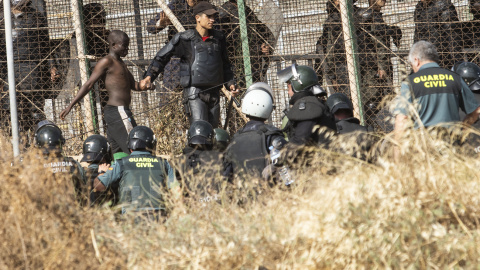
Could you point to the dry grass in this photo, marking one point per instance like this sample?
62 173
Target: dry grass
420 213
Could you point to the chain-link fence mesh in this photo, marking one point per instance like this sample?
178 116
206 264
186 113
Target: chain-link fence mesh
279 33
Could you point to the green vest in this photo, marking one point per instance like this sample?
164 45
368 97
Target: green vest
142 183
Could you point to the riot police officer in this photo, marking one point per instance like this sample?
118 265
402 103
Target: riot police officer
96 151
49 138
204 66
341 108
249 149
200 166
306 110
141 176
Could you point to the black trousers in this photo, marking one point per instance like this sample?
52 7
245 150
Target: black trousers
202 105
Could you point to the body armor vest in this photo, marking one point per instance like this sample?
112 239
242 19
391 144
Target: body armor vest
142 181
248 150
207 66
350 125
69 168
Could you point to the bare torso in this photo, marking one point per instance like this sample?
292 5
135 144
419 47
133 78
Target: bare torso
119 83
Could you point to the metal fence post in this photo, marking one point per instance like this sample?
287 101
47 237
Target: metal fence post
349 36
11 78
84 65
245 48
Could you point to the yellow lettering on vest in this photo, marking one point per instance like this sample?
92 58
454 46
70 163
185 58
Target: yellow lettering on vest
435 83
427 84
444 84
435 77
429 78
450 78
144 165
416 80
423 78
441 77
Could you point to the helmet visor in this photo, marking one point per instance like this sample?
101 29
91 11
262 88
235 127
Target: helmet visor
285 75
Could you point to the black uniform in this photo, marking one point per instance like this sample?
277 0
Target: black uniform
249 149
436 22
98 198
307 112
70 168
30 54
204 67
201 171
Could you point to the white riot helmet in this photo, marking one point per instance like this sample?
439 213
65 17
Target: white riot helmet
258 101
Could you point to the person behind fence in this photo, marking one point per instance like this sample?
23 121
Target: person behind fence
436 21
434 93
250 146
142 177
260 42
119 82
200 166
49 139
204 66
332 46
32 64
373 39
183 10
96 151
306 111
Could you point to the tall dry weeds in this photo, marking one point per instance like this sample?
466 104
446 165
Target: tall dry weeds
419 213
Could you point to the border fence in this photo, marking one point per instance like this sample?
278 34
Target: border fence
357 48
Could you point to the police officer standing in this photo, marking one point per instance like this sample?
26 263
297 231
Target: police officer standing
307 110
437 92
142 177
249 149
204 66
49 138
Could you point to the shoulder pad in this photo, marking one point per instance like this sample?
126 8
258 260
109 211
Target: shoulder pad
218 34
186 35
306 108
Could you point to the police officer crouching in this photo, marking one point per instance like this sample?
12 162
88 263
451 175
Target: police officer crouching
307 110
201 165
49 138
142 177
353 137
249 149
470 73
96 151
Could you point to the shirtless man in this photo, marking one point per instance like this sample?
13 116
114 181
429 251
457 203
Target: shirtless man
119 82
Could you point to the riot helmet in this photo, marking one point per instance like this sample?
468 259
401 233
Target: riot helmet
49 137
258 101
222 139
200 132
141 138
470 73
95 149
302 78
339 101
364 15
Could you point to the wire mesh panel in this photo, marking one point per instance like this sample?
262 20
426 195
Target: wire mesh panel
277 33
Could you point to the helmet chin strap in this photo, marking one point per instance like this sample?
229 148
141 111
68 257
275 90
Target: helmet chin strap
296 76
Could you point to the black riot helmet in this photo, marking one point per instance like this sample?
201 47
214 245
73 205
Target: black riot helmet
222 139
200 132
49 137
339 101
141 138
95 149
470 73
